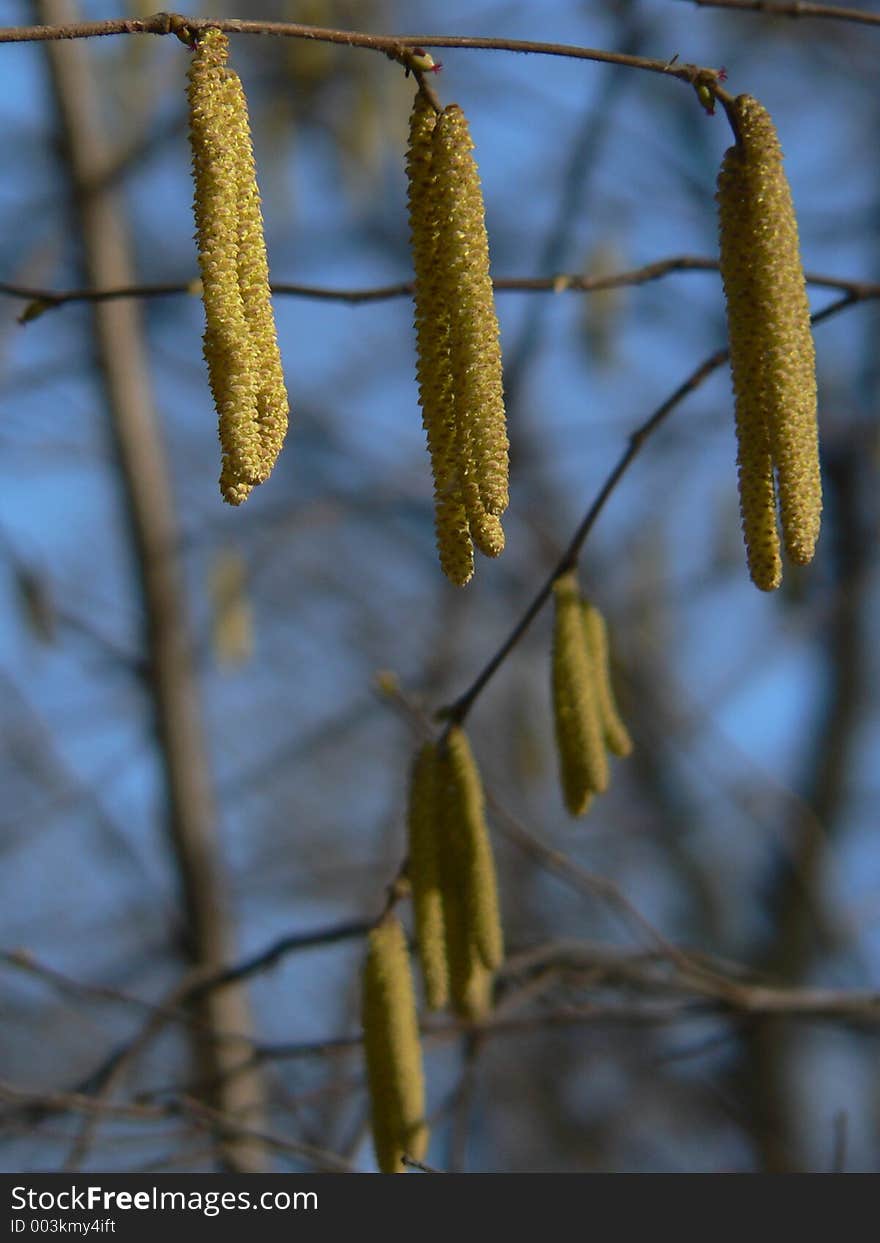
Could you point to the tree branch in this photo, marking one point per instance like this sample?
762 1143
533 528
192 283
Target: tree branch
395 46
797 8
42 300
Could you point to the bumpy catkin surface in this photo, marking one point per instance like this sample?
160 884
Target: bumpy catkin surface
240 342
433 367
466 284
771 348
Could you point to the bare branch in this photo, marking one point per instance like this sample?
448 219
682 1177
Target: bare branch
353 930
795 8
41 300
395 46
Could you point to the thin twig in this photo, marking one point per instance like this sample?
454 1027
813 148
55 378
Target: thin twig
352 930
41 300
40 1104
154 1025
394 45
795 8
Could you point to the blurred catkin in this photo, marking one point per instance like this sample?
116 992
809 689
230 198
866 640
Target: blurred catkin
466 840
240 342
392 1049
423 822
580 742
772 356
232 630
470 981
616 735
458 351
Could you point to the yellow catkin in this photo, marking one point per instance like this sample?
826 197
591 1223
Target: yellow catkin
580 743
462 263
240 345
423 825
253 281
434 370
616 735
485 528
771 348
467 844
392 1049
470 980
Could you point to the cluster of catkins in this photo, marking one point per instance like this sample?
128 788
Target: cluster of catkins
588 724
459 941
459 355
771 349
451 871
240 342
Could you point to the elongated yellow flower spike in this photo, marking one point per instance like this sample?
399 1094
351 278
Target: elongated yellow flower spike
462 251
240 345
392 1049
423 824
616 735
434 371
253 281
466 840
772 355
580 742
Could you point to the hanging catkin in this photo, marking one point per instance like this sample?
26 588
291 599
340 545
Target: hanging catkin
772 356
459 356
423 824
253 280
240 342
466 285
392 1049
433 368
470 980
580 742
616 735
452 876
466 842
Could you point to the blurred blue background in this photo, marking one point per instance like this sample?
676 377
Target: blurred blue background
745 825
